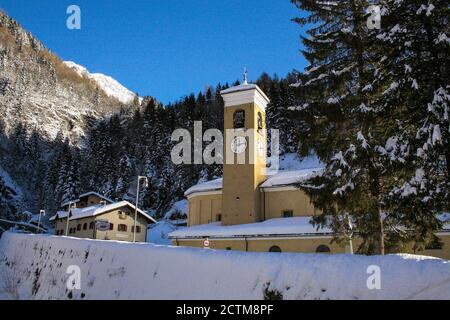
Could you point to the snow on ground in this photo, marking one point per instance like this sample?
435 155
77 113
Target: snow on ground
111 86
180 207
158 233
35 267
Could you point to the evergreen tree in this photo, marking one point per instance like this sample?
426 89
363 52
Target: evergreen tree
348 130
369 120
8 207
413 74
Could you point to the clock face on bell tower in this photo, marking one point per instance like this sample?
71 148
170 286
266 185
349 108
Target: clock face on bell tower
245 147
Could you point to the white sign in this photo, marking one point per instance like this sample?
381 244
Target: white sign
206 243
102 225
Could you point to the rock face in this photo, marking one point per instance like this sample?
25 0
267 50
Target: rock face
39 91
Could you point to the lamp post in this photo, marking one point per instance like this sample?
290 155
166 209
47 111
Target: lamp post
41 213
137 201
350 241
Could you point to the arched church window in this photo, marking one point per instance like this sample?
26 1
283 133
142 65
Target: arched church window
239 119
275 249
260 121
323 249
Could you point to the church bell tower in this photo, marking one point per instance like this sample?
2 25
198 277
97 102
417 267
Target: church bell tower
245 153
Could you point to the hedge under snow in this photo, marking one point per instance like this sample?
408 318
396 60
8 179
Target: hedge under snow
35 267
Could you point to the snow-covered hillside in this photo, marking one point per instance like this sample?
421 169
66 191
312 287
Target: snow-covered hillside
111 86
38 91
35 267
11 196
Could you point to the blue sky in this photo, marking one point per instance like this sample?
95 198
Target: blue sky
169 48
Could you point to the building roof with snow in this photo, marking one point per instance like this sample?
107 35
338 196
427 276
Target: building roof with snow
293 170
87 194
280 227
92 211
244 87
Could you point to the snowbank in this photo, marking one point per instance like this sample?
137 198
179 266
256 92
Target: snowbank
114 270
180 207
158 233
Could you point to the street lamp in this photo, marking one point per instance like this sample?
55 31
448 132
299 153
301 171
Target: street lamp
137 201
71 203
41 213
350 241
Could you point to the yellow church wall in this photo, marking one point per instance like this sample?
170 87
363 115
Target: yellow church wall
303 245
443 253
296 245
204 209
296 200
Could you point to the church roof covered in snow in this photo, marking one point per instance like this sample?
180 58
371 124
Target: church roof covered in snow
293 170
299 226
244 87
91 211
212 185
280 227
286 178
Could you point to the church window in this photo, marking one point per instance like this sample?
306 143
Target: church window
323 249
239 119
260 121
288 214
84 226
275 249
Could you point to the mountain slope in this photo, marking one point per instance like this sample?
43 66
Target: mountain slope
11 196
40 92
108 84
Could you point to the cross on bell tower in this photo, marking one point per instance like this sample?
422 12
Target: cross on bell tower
245 76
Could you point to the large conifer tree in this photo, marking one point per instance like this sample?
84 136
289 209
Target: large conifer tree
354 98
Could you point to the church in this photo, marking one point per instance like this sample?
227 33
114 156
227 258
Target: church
252 209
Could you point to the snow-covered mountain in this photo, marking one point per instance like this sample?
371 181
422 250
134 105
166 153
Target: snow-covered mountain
110 85
39 92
